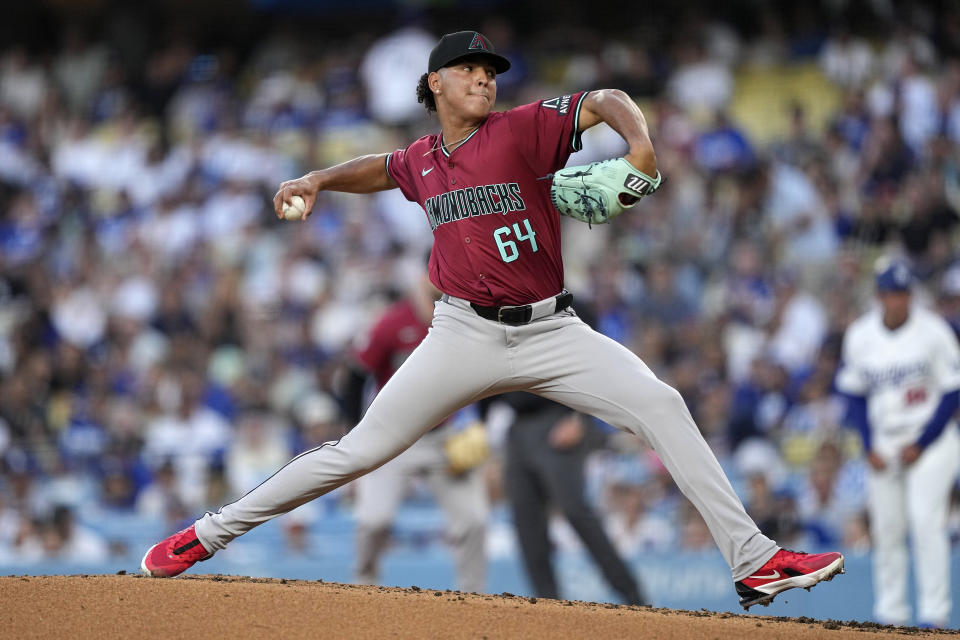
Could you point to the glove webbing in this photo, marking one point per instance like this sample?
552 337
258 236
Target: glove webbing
584 199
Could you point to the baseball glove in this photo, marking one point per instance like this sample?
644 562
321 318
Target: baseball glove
467 448
600 191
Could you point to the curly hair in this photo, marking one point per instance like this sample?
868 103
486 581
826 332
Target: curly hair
424 95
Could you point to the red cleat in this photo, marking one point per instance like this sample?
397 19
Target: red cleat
172 556
786 570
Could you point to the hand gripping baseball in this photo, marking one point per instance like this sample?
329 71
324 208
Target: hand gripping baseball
303 187
600 191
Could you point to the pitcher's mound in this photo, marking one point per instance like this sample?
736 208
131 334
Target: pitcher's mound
132 606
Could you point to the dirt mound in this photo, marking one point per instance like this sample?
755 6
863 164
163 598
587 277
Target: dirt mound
132 606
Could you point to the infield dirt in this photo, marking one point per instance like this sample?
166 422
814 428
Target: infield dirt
132 606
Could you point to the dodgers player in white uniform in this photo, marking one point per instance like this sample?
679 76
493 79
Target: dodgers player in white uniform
901 373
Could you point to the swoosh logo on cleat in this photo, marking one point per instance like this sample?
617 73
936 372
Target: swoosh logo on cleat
772 576
424 172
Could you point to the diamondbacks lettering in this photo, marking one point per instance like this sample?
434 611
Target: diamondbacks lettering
502 198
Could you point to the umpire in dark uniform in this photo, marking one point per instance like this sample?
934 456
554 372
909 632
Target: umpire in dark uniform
546 448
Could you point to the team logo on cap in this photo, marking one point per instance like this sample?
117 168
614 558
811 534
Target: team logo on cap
478 43
901 275
892 275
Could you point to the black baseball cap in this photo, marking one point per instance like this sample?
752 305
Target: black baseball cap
461 44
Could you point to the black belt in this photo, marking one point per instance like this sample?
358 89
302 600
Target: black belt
520 314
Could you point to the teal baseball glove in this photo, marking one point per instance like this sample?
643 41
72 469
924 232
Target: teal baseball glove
600 191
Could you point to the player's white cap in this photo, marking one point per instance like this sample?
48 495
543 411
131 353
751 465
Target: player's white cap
892 274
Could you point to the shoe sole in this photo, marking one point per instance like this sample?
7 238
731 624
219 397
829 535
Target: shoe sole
804 582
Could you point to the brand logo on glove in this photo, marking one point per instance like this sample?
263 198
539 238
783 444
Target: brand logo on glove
637 185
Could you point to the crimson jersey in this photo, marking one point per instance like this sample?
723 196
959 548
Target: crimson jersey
496 232
392 339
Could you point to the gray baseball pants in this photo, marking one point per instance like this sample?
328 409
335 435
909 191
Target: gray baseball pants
465 358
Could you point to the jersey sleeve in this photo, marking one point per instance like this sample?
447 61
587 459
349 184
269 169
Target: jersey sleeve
946 354
546 133
398 168
850 377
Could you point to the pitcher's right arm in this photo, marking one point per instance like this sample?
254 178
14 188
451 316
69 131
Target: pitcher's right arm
366 174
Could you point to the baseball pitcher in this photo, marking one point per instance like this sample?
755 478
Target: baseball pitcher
493 188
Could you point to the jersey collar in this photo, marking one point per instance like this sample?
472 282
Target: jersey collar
443 149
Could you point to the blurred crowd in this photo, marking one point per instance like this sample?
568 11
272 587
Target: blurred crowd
166 343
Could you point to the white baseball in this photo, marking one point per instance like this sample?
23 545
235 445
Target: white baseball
294 209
